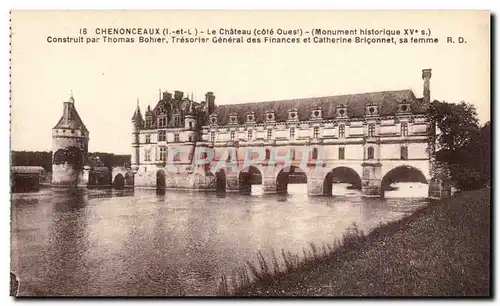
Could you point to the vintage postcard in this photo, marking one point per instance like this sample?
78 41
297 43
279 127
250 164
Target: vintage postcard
250 153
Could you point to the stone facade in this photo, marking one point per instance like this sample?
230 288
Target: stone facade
368 139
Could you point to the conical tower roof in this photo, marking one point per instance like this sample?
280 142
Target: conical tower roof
70 118
137 117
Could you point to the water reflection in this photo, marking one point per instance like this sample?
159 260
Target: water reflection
105 242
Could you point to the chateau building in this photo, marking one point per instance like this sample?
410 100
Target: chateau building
369 140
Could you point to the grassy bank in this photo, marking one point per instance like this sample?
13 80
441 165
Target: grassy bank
441 250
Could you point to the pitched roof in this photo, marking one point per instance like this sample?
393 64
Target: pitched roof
70 119
26 169
386 100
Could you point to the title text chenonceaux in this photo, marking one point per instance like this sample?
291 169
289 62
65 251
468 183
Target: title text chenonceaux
369 140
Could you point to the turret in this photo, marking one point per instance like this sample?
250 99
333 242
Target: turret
70 140
137 125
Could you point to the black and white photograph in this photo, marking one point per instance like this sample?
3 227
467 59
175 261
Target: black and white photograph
250 154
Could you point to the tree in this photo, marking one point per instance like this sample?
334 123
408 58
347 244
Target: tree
465 146
457 123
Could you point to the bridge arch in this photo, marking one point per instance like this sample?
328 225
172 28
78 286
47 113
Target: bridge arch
341 175
247 177
403 173
160 181
119 181
129 179
290 175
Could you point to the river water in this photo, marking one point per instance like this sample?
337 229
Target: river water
137 243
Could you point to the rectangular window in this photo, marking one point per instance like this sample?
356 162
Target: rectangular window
341 153
404 128
162 121
176 137
341 131
371 130
147 155
370 153
250 135
148 122
316 132
404 153
162 136
292 133
190 124
232 135
269 134
163 153
212 137
148 138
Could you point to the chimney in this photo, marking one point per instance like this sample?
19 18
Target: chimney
210 99
178 95
426 76
167 96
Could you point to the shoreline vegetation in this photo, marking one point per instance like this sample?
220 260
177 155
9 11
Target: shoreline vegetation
442 249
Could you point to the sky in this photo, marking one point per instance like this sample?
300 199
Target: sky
107 79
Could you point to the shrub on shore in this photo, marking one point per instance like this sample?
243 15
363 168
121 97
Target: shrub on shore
268 271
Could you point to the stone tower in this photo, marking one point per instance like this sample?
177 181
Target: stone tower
70 140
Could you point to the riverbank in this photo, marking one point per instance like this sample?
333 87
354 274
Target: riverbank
440 250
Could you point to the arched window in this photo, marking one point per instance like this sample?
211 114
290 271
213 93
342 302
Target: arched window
371 153
315 154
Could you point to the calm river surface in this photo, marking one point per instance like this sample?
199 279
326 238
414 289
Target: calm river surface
119 243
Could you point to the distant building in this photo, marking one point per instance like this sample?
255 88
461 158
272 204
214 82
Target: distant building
26 178
369 140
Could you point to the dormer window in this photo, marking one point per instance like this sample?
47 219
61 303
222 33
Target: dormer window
213 119
148 122
162 121
270 116
371 109
293 115
233 118
404 107
342 111
317 114
177 120
251 117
